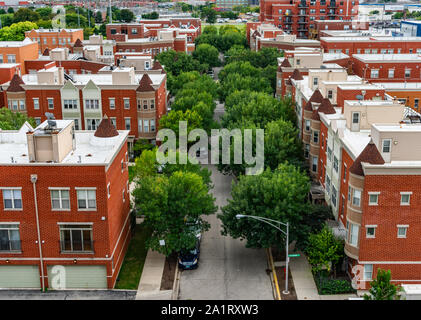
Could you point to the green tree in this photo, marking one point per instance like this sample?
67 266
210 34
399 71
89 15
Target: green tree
98 17
126 15
2 11
16 31
167 203
46 13
46 24
140 146
324 251
152 16
6 20
10 10
207 54
280 195
210 30
382 288
25 14
172 119
103 30
13 120
236 82
282 144
177 62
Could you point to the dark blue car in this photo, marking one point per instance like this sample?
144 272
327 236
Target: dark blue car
189 259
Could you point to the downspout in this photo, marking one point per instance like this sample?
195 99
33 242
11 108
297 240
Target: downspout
34 179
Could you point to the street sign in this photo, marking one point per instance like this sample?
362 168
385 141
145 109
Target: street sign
294 255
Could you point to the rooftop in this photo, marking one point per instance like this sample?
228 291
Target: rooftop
15 44
389 57
92 150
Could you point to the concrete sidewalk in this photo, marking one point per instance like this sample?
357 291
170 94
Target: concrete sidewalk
304 284
150 281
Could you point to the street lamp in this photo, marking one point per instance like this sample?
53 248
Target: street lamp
271 222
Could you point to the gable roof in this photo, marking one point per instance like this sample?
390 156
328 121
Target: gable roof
78 44
157 66
15 84
326 107
286 63
370 154
145 84
315 97
106 129
296 75
46 52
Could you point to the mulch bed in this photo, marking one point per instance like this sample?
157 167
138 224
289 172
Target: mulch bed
280 274
168 275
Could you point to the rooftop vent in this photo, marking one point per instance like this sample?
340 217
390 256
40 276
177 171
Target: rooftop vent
52 124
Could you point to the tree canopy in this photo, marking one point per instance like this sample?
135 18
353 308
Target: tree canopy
207 54
382 288
16 32
10 120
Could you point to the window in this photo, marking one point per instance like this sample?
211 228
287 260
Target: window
356 199
334 195
11 58
329 153
76 121
306 150
126 103
36 103
92 104
386 143
134 30
12 199
123 194
108 191
145 125
345 172
330 94
353 234
370 231
373 198
139 125
37 121
391 73
60 199
349 193
112 103
315 81
70 104
9 237
374 73
416 103
50 102
402 230
307 127
335 164
145 104
152 125
316 136
407 73
298 62
127 123
314 164
405 198
114 122
113 31
147 65
152 104
54 40
328 185
76 238
368 271
139 104
86 199
92 124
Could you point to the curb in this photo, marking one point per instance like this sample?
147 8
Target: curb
176 286
273 277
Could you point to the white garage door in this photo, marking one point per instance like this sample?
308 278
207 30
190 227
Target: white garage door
78 277
19 277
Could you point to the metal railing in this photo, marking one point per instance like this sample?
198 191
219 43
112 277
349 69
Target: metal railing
77 246
10 245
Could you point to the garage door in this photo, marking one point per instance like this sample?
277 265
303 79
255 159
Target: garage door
19 277
79 277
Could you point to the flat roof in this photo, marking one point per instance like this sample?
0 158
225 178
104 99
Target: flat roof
91 149
370 38
393 57
398 127
400 85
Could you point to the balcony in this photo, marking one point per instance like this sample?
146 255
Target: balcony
10 246
332 4
77 246
303 4
302 13
302 21
331 13
288 21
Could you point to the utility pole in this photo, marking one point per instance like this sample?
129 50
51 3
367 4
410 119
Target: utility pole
111 14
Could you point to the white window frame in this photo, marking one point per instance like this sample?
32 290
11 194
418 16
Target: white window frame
108 190
60 198
353 241
86 189
354 197
36 105
370 226
111 103
374 193
12 189
402 226
409 198
374 73
52 103
383 145
126 106
368 272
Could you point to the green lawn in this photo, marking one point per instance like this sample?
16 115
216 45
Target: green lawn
134 260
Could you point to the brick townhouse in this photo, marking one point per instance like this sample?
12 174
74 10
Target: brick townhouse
363 152
297 16
132 101
371 44
54 38
64 212
18 52
320 27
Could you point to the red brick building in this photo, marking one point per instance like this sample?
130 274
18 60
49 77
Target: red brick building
320 26
68 232
132 101
297 16
54 38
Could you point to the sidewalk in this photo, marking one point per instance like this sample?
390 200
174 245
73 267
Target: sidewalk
304 284
150 281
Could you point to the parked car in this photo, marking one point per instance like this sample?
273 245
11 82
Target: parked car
190 259
195 227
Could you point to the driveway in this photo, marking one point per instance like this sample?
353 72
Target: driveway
68 295
227 270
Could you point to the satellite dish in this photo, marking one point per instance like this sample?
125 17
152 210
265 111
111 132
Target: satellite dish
51 120
359 97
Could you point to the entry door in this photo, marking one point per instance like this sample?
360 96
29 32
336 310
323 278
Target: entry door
355 125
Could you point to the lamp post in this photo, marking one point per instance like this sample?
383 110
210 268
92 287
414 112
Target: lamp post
272 223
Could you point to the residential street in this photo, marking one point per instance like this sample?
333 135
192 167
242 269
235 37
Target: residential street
227 270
